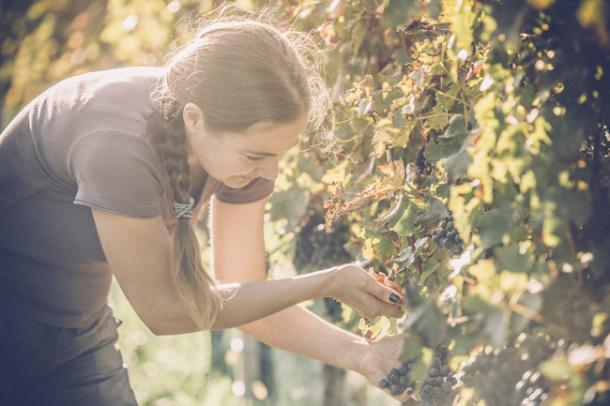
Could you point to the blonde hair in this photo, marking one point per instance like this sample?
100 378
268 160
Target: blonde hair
239 71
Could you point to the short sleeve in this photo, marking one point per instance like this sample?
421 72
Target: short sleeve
253 191
116 172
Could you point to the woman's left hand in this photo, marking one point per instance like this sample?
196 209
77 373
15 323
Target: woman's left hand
380 357
364 292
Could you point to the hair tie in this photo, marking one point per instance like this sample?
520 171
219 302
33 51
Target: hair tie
184 210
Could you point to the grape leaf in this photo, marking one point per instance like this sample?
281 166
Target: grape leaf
509 258
398 12
457 164
492 225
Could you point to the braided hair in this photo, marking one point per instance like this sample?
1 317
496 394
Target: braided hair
194 285
239 71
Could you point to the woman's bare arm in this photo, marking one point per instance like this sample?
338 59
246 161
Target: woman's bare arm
138 252
239 228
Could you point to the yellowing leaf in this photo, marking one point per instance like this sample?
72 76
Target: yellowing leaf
462 25
484 270
541 4
591 14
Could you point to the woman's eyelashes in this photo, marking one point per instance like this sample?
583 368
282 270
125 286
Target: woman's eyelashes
254 157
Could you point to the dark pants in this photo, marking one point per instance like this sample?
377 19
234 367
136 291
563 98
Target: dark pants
47 365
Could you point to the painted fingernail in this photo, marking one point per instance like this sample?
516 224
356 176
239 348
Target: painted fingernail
394 298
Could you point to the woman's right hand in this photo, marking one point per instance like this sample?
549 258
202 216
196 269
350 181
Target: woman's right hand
364 292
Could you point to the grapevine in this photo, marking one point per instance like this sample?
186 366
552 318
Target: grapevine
437 388
318 248
397 381
448 237
508 375
499 226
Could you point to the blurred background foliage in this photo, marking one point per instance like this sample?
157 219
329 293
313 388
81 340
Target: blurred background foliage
472 167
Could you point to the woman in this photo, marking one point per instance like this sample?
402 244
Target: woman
106 172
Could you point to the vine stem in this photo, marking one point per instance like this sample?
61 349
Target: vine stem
525 312
531 314
425 117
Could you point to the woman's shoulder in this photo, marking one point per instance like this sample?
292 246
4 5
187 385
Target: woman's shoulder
115 90
112 100
101 111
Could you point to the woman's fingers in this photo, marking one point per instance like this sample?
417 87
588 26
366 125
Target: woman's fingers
370 307
386 354
391 310
390 283
376 275
369 294
384 293
384 280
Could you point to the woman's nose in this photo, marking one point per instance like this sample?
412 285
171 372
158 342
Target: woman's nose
269 169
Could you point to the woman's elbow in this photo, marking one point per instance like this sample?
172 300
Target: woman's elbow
160 330
157 324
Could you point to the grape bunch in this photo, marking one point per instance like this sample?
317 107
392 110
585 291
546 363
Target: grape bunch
535 349
446 236
494 375
397 380
570 308
316 247
422 166
437 388
531 390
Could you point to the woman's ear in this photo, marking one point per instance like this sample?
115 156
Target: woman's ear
193 118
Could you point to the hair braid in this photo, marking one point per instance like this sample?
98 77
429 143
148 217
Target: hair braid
194 286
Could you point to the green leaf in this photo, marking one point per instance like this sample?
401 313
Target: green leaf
359 32
532 302
448 100
289 205
556 369
401 56
455 128
406 257
510 259
473 304
395 212
553 226
398 119
462 25
399 12
420 244
434 8
406 223
493 224
591 15
497 326
428 271
436 210
378 245
449 143
438 120
457 164
427 322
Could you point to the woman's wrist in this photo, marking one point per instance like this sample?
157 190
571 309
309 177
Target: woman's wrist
329 282
357 354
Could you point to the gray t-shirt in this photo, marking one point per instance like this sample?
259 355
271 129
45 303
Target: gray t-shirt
80 144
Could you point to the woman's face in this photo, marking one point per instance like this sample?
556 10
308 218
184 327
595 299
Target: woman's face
235 159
